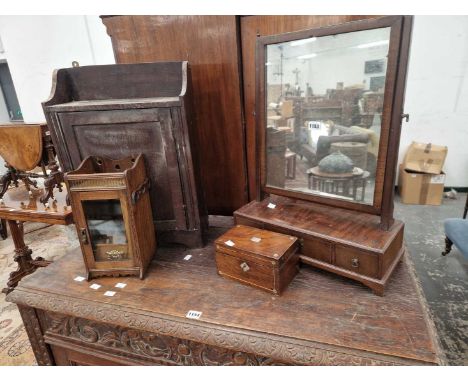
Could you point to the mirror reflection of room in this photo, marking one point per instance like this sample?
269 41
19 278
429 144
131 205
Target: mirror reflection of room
325 98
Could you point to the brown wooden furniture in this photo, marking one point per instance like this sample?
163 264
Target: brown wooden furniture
211 45
221 51
346 186
116 111
25 147
21 145
18 207
290 164
334 239
400 32
112 213
3 229
252 27
321 318
264 259
340 238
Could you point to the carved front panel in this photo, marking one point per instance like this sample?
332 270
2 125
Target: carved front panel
120 133
143 347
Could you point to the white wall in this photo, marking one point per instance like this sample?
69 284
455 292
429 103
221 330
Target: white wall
36 45
336 60
437 91
436 95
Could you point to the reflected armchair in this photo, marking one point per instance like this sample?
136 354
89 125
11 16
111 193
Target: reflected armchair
315 154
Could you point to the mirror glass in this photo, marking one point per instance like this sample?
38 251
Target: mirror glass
323 113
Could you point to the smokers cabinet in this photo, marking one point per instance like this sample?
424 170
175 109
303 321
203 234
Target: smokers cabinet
112 213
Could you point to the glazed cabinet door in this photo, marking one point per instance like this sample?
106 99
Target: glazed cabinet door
102 224
120 133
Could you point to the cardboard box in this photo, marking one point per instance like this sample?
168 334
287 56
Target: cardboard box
425 157
418 188
287 109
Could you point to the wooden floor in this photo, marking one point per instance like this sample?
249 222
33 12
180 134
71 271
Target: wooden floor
325 310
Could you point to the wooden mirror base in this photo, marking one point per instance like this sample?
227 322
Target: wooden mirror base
347 243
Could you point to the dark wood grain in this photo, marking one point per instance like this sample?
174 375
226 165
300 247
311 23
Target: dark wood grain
210 44
320 319
19 205
345 242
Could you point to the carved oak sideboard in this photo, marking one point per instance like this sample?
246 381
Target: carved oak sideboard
321 319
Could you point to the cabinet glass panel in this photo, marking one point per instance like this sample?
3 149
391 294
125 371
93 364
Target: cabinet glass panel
106 229
325 97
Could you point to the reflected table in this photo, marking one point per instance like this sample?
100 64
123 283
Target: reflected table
339 184
17 207
290 164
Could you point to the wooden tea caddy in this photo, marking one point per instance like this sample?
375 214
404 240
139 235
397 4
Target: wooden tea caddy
263 259
355 240
112 213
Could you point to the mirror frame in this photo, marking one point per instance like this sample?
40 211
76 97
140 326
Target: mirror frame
400 38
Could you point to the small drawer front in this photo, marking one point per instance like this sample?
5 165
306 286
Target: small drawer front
250 223
317 249
246 271
356 261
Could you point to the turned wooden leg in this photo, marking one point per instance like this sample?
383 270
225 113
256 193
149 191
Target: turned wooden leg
26 265
448 246
5 181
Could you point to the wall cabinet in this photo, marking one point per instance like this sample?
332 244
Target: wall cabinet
117 111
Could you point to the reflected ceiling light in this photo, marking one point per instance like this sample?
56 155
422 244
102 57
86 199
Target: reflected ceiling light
302 42
306 56
372 44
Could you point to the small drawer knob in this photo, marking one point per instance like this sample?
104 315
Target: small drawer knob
245 267
355 263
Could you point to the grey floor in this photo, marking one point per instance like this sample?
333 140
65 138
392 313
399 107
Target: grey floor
444 279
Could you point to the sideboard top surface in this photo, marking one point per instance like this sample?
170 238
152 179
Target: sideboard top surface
319 314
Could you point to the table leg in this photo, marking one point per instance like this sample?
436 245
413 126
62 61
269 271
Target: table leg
3 229
294 167
26 264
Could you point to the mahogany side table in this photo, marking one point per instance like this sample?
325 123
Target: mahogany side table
17 207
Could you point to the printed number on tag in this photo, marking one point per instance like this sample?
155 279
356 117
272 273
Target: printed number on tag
271 205
195 315
188 257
